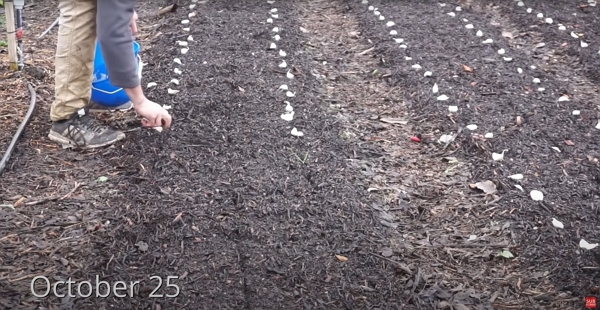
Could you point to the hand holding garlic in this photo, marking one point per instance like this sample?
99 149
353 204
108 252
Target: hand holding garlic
153 115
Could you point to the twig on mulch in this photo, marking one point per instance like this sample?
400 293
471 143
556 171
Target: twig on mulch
366 51
402 266
49 28
8 236
55 198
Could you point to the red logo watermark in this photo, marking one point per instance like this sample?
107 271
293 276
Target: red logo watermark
590 302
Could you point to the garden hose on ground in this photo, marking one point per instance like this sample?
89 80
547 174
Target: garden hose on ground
17 135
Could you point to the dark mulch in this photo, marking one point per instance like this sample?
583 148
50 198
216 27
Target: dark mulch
492 97
246 215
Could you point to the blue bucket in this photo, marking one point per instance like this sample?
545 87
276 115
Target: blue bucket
103 92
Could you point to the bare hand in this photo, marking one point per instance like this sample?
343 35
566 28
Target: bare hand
153 115
134 19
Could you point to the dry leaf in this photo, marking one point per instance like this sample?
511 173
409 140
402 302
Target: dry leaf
569 142
341 258
467 68
142 246
488 187
19 202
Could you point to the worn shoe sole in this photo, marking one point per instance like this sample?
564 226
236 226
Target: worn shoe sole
66 142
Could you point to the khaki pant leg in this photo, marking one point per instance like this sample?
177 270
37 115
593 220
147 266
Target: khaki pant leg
74 59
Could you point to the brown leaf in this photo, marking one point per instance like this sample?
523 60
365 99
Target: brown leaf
19 202
467 68
569 142
341 258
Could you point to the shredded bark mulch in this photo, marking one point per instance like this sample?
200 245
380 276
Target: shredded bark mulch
366 210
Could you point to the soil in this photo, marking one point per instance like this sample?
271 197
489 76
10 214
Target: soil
366 210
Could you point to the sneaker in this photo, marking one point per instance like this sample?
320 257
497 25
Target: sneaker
96 107
82 131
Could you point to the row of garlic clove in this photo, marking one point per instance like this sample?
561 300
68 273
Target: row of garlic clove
561 27
184 49
508 59
288 116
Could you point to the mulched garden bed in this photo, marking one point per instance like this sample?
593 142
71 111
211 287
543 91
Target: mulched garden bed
493 96
245 214
248 216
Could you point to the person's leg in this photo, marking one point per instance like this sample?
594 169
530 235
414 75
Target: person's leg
74 57
73 78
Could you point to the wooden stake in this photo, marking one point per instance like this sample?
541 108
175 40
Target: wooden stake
9 10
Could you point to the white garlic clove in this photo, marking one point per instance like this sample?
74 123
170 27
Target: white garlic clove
295 132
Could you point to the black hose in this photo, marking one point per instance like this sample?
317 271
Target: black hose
17 135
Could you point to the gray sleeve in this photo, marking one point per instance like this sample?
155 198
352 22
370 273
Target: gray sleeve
113 20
